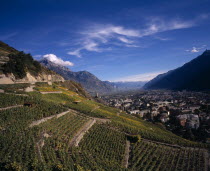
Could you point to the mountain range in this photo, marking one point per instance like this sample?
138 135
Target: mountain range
193 75
16 67
128 85
89 81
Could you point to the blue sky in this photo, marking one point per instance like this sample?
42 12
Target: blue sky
117 40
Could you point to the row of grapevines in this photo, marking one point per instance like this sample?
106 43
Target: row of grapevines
56 150
12 99
17 141
151 156
104 147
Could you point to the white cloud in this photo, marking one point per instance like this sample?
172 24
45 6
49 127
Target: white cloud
162 38
122 31
75 53
140 77
53 58
125 40
128 45
158 25
91 46
196 49
103 31
96 36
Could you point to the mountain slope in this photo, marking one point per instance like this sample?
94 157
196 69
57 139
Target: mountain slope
66 131
5 49
90 82
16 66
193 75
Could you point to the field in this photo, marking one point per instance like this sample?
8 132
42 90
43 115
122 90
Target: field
151 156
54 143
12 99
105 146
104 133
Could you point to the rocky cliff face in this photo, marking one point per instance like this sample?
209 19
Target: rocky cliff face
42 77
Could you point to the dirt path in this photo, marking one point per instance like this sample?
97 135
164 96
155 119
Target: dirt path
97 107
79 135
10 107
126 156
40 144
51 92
39 150
35 123
18 94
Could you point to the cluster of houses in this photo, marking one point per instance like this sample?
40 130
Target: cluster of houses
189 109
189 121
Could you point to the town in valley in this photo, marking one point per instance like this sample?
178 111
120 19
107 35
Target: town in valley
185 113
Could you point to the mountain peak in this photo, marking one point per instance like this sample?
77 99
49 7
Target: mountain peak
49 64
206 52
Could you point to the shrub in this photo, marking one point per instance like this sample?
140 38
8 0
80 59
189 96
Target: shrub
134 138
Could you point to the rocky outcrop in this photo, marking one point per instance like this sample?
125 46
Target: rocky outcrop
42 77
5 80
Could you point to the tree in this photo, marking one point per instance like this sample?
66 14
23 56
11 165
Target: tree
20 63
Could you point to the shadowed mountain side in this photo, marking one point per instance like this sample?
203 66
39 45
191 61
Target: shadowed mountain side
193 75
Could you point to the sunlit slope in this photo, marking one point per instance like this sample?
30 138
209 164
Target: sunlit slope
119 120
72 132
152 156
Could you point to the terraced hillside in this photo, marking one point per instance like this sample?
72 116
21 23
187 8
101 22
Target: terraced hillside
153 156
62 130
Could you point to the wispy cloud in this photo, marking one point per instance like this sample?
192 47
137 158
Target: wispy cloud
75 53
53 58
140 77
8 36
161 38
196 49
37 56
125 40
97 36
